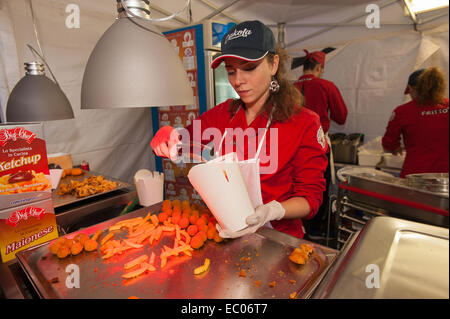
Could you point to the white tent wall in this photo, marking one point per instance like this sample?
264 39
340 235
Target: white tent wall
370 66
114 142
372 75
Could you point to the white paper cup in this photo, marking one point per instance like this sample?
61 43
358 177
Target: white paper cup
55 177
149 187
222 188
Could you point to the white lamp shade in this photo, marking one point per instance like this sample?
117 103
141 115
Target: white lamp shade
134 65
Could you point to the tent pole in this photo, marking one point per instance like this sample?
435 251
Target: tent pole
388 3
212 6
299 25
412 15
167 13
219 10
434 18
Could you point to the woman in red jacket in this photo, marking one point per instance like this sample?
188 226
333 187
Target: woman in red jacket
423 123
287 184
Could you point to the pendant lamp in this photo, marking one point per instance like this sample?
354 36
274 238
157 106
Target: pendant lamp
134 65
36 98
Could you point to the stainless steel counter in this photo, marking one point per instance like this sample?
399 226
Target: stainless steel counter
263 256
390 258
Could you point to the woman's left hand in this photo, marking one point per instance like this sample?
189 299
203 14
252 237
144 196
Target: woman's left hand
263 214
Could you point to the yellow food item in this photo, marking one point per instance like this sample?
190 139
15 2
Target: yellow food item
203 268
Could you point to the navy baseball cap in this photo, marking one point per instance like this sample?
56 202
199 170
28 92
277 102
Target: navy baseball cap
249 41
412 80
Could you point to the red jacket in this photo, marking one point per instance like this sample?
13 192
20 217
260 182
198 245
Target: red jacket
300 163
322 96
425 135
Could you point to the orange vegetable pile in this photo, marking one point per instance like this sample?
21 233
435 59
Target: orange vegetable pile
191 226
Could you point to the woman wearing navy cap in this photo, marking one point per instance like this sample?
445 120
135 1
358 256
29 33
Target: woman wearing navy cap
285 157
423 124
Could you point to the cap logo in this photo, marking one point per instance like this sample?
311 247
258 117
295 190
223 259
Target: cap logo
238 34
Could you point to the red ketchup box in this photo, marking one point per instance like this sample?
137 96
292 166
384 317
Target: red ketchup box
24 174
26 226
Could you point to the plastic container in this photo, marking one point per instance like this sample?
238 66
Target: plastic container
367 159
393 161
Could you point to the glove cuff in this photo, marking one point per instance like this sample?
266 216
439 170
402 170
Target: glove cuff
278 210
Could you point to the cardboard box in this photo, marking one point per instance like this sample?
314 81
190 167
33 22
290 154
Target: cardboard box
24 174
26 226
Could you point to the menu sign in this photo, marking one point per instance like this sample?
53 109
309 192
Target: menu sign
24 174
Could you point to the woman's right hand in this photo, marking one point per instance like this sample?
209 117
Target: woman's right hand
165 142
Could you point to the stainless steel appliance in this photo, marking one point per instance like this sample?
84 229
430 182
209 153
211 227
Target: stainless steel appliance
390 258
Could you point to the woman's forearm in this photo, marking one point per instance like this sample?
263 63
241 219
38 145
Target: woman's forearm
296 207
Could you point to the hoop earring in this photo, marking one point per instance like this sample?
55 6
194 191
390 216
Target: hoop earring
274 86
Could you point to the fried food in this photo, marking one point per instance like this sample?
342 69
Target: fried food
76 171
76 248
63 251
90 245
301 255
89 186
81 238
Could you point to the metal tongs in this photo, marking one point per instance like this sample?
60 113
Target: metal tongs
193 152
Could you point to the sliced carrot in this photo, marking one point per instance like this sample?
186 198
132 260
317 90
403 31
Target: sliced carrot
108 255
131 244
106 238
97 234
163 262
159 232
135 262
152 238
177 232
188 253
152 258
151 268
168 228
135 273
175 251
114 227
154 220
186 236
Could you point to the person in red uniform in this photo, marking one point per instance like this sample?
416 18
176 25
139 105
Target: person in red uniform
323 97
293 157
423 123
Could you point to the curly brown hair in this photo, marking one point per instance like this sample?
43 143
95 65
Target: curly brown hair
430 87
287 101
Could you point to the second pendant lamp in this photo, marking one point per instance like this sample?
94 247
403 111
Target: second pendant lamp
134 65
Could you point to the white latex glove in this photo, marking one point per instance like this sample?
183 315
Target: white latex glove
263 214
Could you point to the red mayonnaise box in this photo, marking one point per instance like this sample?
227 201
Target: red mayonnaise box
26 226
24 174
